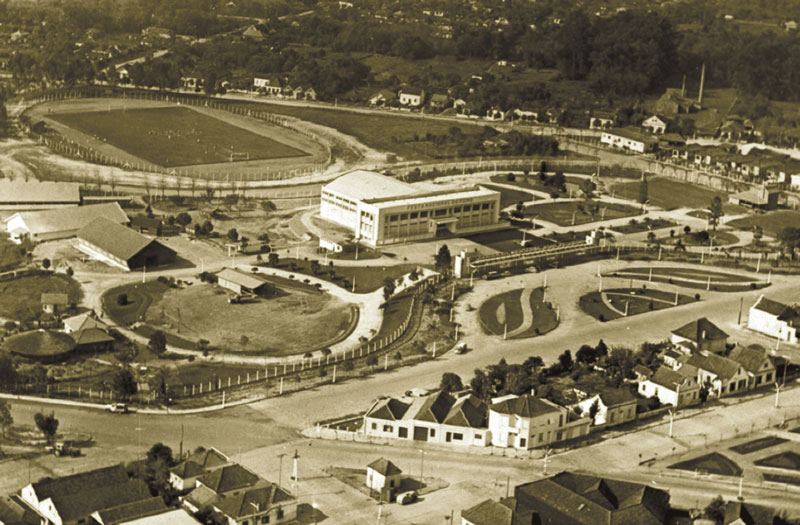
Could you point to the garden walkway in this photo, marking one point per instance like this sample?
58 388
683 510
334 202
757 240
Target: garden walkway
527 312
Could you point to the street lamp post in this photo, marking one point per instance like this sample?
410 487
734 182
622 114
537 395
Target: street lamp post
421 467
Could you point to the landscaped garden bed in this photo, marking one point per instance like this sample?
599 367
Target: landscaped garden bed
697 278
646 224
572 213
758 444
617 302
786 460
506 314
714 463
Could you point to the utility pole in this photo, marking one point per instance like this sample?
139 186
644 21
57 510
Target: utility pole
280 468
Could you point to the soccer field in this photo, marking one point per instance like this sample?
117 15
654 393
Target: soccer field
175 136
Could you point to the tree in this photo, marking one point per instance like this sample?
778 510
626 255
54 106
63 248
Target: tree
122 299
586 354
157 343
389 287
451 382
47 425
184 219
124 384
207 227
588 187
758 234
715 510
687 229
272 259
443 259
594 409
70 272
789 238
715 212
233 235
565 360
6 420
45 263
559 181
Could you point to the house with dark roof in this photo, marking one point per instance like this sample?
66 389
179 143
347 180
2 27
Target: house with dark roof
130 511
92 340
722 375
241 283
672 387
699 335
83 322
147 225
121 247
184 475
614 407
526 422
743 513
70 500
53 302
757 362
14 512
774 319
489 512
383 474
59 223
567 499
266 504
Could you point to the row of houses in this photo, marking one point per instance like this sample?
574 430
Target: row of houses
275 86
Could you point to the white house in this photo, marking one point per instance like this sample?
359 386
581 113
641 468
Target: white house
525 422
629 139
656 124
83 322
60 223
270 86
722 375
410 96
757 362
614 407
381 474
774 319
601 120
672 387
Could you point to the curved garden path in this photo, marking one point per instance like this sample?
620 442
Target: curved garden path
527 312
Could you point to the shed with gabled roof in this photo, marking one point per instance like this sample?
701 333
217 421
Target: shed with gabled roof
121 247
381 474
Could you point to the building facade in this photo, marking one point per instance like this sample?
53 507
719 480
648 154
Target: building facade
629 140
525 422
774 319
381 210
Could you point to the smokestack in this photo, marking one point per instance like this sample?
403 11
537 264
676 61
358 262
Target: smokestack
702 83
683 87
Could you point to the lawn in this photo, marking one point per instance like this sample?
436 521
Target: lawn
713 463
771 223
786 460
533 182
175 136
644 225
11 255
758 444
285 324
507 240
509 197
394 313
139 298
503 313
367 278
21 298
690 278
668 193
636 300
562 213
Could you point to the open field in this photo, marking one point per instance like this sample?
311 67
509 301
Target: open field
367 278
612 304
281 325
713 463
507 240
562 213
671 194
504 314
21 298
771 222
175 136
697 278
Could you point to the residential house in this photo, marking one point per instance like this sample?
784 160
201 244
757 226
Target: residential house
672 387
185 474
774 319
17 194
52 303
382 474
722 375
192 81
739 512
311 94
527 115
489 512
614 407
439 418
241 283
267 85
71 500
60 223
130 512
298 93
526 422
656 124
259 505
790 25
495 113
224 481
757 362
601 120
700 335
439 101
92 340
629 139
13 511
147 225
121 247
411 96
382 97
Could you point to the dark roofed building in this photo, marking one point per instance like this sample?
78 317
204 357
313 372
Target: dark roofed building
700 335
14 512
390 409
671 387
145 224
52 302
92 340
241 283
184 475
741 513
525 406
119 246
228 479
489 512
131 511
383 475
268 504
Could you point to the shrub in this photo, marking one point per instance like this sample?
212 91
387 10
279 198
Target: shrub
651 305
70 271
122 299
510 177
601 318
752 286
697 297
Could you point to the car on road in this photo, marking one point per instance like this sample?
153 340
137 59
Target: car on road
118 408
406 498
64 450
461 348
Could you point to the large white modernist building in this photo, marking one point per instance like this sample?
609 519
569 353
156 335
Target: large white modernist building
382 210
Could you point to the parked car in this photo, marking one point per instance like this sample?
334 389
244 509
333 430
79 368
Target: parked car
63 450
118 408
406 498
461 348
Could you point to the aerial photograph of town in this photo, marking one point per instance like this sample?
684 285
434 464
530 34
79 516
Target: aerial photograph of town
422 262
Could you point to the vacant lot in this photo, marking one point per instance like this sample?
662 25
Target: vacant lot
21 298
576 212
669 193
771 223
286 324
175 136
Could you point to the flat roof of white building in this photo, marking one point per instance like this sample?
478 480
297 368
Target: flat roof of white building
436 197
365 185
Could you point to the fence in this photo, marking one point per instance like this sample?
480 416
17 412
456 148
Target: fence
464 167
70 148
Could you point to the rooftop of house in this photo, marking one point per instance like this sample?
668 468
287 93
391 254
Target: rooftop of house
143 221
90 336
131 511
199 462
700 328
632 134
617 396
748 513
720 366
366 185
751 358
242 279
78 505
15 512
668 378
385 467
390 409
490 512
229 478
410 90
525 406
69 217
253 501
17 190
46 487
83 322
120 241
780 310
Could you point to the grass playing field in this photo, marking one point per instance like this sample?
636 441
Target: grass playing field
563 213
772 222
669 193
175 136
